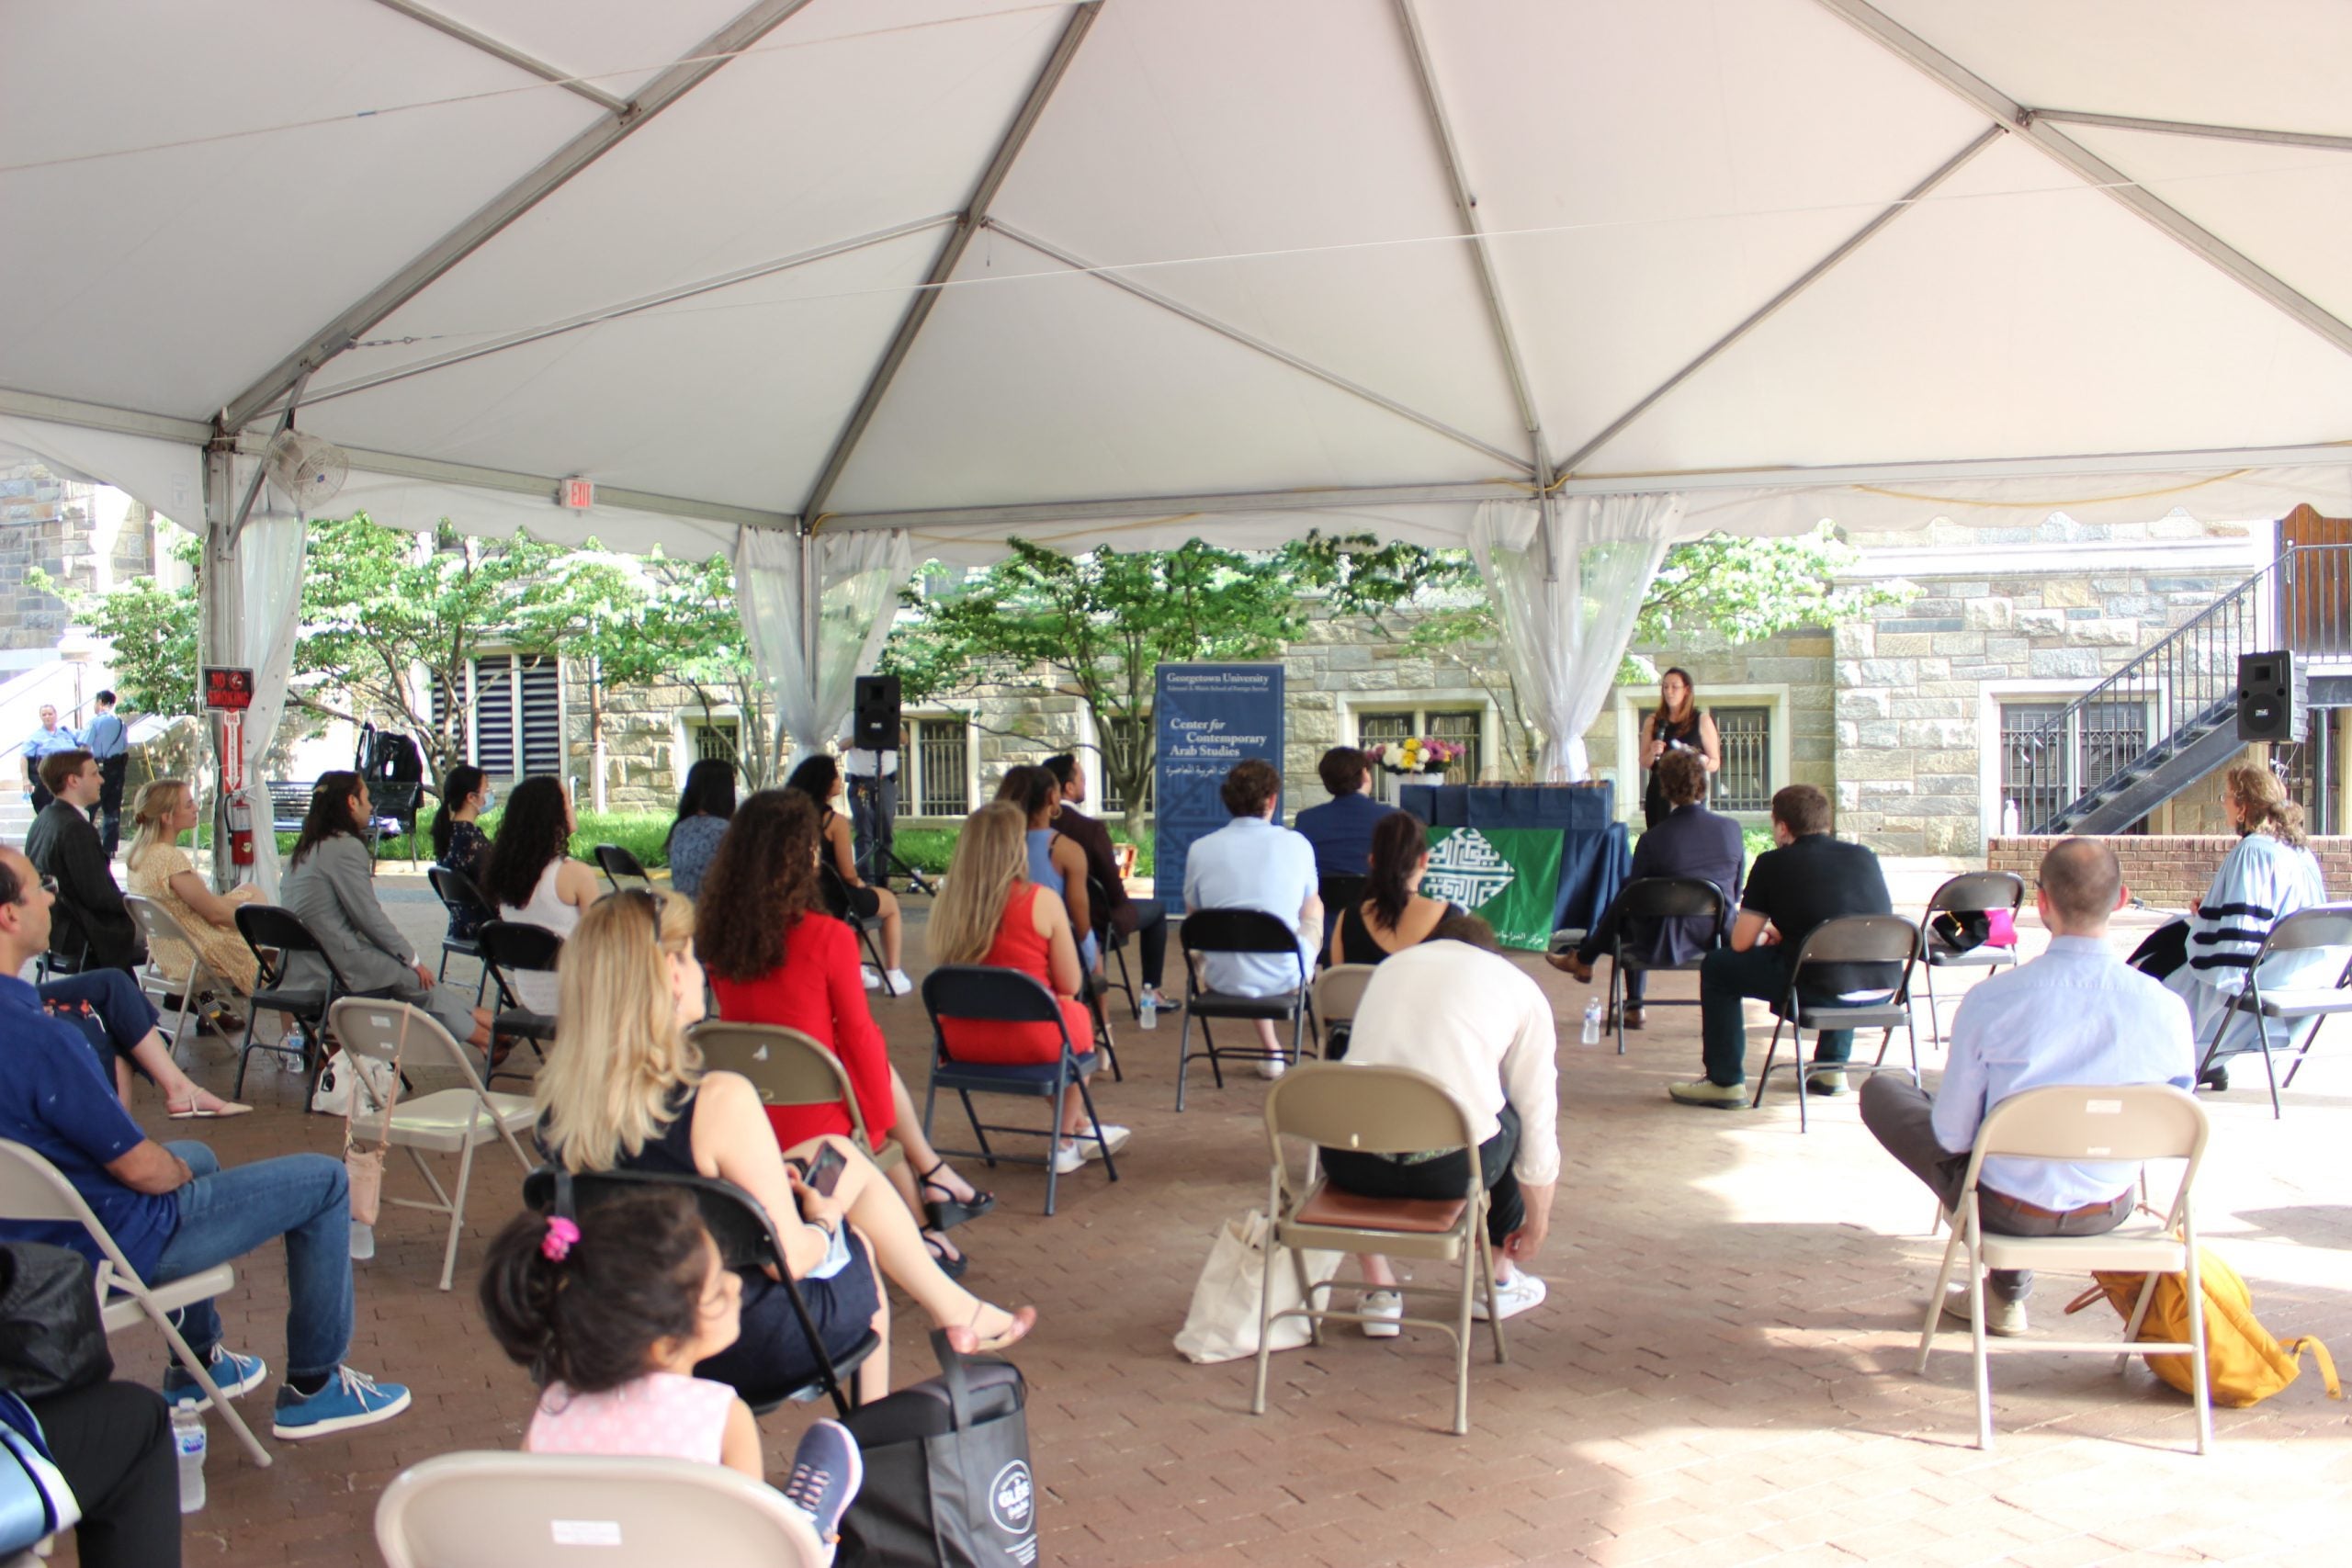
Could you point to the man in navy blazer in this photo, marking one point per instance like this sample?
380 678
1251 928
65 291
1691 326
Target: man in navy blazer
1690 841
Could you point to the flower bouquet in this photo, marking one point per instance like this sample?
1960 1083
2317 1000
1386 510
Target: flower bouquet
1417 754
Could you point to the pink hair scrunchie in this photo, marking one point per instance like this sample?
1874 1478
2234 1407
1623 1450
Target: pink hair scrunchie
556 1245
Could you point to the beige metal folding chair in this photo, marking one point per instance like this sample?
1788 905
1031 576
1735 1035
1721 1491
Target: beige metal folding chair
1384 1111
789 1068
157 924
32 1188
1338 991
506 1510
2318 928
450 1121
2126 1123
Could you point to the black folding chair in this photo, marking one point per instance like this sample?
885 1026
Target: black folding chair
745 1233
276 937
1848 938
835 891
1240 931
976 993
510 948
464 901
621 869
1111 940
1971 893
1654 898
395 804
2321 926
1338 893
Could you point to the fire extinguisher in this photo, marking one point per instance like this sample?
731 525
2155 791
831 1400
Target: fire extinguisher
241 831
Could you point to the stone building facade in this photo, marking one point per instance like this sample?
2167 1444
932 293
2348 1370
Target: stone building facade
81 534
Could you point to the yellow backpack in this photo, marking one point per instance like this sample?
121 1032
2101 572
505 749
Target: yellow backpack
2242 1362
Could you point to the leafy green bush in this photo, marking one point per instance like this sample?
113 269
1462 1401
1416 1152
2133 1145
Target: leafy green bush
928 849
1758 839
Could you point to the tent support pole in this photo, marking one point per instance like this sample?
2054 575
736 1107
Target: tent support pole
507 52
221 608
2191 127
2080 161
951 255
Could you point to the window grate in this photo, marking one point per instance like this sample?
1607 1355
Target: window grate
1744 781
942 759
1123 738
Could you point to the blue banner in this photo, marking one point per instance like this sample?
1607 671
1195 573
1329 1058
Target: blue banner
1206 717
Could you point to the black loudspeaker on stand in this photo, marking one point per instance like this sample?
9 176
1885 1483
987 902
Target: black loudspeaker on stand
873 714
2273 696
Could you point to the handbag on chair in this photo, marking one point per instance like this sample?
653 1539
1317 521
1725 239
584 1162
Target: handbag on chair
947 1478
50 1338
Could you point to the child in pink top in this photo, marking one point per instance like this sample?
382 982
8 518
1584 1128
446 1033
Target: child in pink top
611 1313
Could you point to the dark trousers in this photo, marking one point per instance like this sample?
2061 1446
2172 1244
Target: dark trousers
1726 978
1447 1176
1900 1114
1151 939
873 818
1601 941
41 797
113 1443
110 775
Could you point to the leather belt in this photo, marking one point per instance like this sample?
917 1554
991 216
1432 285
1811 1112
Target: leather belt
2019 1205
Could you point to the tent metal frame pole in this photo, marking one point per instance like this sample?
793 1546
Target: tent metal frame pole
951 255
220 610
493 218
1773 305
261 468
507 52
2080 161
1514 460
2193 129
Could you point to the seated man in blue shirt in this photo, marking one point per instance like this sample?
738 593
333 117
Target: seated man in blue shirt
2077 1015
171 1208
1253 864
1341 829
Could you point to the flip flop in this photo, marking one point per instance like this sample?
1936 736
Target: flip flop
194 1113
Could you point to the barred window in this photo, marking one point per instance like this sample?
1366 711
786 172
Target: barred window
515 714
2044 768
940 756
1744 782
1122 738
715 739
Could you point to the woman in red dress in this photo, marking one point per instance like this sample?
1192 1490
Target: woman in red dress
774 957
989 912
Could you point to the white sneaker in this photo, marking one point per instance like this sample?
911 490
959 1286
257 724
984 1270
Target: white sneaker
897 983
2003 1319
1512 1296
871 975
1268 1067
1068 1158
1385 1304
1113 1134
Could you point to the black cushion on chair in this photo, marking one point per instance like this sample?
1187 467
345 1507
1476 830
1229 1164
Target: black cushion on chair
1226 1004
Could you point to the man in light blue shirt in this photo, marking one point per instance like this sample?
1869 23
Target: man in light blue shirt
1250 864
107 738
2075 1015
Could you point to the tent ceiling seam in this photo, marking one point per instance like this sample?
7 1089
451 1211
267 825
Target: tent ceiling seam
2088 166
951 254
1258 344
1771 306
493 218
499 49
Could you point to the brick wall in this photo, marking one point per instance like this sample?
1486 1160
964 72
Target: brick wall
2170 871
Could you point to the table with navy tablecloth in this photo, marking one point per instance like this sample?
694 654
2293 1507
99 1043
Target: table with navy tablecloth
1596 850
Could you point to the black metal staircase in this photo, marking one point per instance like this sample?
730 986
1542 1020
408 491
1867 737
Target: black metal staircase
2169 716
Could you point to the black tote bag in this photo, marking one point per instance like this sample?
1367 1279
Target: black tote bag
947 1478
51 1340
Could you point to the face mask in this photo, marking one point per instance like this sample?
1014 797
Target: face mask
488 799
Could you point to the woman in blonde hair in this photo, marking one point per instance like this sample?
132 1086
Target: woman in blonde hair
989 912
2269 875
622 1089
162 871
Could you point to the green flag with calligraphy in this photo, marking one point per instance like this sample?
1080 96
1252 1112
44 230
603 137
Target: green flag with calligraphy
1509 877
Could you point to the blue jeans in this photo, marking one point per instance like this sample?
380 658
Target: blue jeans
1726 978
224 1214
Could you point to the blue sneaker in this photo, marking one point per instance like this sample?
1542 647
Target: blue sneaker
827 1470
231 1373
350 1399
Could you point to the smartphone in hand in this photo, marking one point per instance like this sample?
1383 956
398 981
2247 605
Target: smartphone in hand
826 1173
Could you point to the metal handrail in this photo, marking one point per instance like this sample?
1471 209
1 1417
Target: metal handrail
2173 692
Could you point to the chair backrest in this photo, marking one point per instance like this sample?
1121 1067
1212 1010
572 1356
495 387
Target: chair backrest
2095 1122
520 1510
1859 939
786 1066
1238 931
978 993
745 1233
621 868
1375 1110
1338 991
32 1188
156 924
1672 898
1972 891
458 895
395 1031
1097 913
276 935
514 944
1337 891
2322 925
835 889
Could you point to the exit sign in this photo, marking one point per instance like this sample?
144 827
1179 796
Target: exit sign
576 495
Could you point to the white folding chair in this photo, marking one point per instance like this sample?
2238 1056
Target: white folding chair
2082 1124
451 1121
1338 992
32 1188
156 924
2317 930
506 1510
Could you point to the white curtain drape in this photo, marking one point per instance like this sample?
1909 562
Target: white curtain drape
269 563
853 581
1567 586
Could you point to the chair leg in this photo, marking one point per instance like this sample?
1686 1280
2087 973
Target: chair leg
1461 1340
1265 1316
1183 1051
1935 1023
2132 1325
456 1213
2204 1392
980 1133
1086 1099
1982 1357
1936 1304
1053 1141
246 1053
1616 994
1771 1051
2269 1069
197 1369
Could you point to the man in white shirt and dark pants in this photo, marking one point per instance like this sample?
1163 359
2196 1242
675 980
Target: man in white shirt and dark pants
1453 1007
1254 862
2077 1015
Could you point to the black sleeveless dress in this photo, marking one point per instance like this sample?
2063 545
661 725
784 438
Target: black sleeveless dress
1654 805
771 1355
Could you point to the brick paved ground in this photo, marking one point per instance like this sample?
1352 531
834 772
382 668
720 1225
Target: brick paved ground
1720 1376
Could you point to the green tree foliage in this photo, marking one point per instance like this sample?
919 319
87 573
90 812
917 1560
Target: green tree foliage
153 631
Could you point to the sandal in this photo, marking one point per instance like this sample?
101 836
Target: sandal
952 1264
966 1340
192 1111
950 1211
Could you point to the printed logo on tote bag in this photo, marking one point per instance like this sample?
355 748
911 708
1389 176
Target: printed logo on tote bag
1011 1500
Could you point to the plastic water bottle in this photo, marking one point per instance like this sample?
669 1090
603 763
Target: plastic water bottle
1593 1022
1148 1011
188 1439
362 1241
